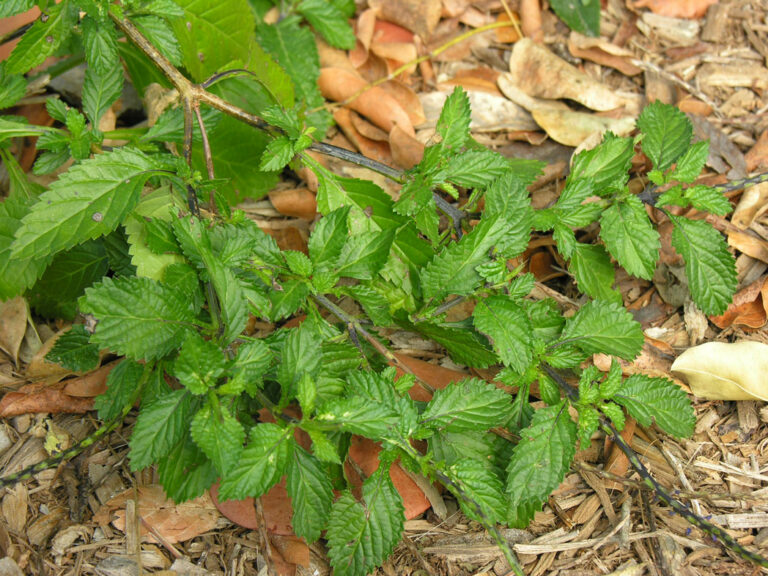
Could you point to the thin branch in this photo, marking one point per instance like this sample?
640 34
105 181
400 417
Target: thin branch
208 157
358 159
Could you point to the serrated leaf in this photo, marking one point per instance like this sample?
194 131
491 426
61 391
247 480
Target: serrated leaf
161 36
356 415
13 7
379 388
507 326
329 21
593 270
709 266
232 300
219 435
507 197
630 237
604 327
286 301
582 16
252 361
138 317
589 420
666 132
89 200
463 344
453 124
374 304
650 399
360 538
185 472
482 493
298 263
159 426
311 494
615 414
539 462
12 88
74 351
42 39
690 165
100 45
277 154
475 168
607 164
328 239
451 447
100 91
261 463
708 199
301 355
164 8
468 405
199 365
122 389
364 254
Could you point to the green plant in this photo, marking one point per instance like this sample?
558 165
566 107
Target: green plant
171 290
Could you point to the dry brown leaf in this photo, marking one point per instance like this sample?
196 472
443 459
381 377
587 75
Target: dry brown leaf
418 16
276 505
692 9
572 128
407 98
482 78
91 384
39 367
375 104
749 244
489 112
373 149
366 129
753 202
434 375
288 553
41 397
406 150
296 202
603 52
509 34
540 73
288 238
748 309
173 522
757 157
530 16
13 326
725 370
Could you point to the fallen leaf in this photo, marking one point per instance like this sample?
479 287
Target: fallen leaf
434 375
481 78
293 551
757 157
39 368
13 326
174 522
753 202
366 129
490 113
406 150
530 17
749 307
288 238
296 202
691 9
91 384
617 462
374 149
509 34
603 52
573 128
407 98
419 16
276 505
41 397
379 107
540 73
748 244
726 371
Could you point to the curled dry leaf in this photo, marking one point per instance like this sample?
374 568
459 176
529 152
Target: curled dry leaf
539 73
374 149
509 34
91 384
757 156
572 128
603 52
173 522
406 150
419 16
40 397
407 98
276 505
748 244
490 113
482 78
375 104
677 8
296 202
13 326
726 371
749 308
753 202
530 16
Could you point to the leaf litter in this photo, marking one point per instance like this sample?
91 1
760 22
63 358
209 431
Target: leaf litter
661 49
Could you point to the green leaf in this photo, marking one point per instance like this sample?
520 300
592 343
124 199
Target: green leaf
73 351
539 462
650 399
16 274
630 237
219 435
615 413
100 45
358 416
589 420
100 91
15 129
364 254
311 494
138 317
261 463
63 282
593 270
199 365
294 49
161 36
360 537
277 154
453 124
507 197
13 7
288 300
475 168
160 425
708 199
89 200
690 165
482 493
379 388
232 300
666 132
375 306
508 328
580 15
42 39
709 266
451 447
12 88
185 472
122 389
463 344
607 164
165 8
301 355
453 270
252 361
468 405
298 263
604 327
329 21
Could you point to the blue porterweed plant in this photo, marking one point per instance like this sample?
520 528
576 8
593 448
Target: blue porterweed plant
138 240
